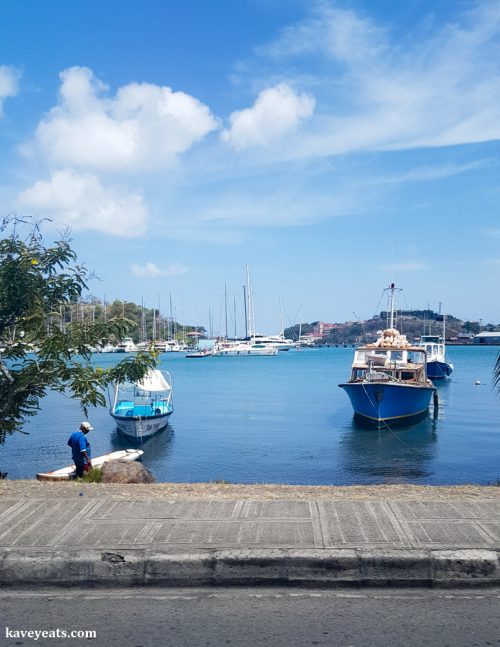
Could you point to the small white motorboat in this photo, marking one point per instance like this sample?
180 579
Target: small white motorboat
142 409
66 473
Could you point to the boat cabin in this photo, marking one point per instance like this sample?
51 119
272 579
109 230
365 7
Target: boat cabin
433 344
392 357
403 365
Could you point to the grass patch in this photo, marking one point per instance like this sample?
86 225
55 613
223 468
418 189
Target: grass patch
94 475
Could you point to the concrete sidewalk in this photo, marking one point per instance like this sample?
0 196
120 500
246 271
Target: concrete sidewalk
168 541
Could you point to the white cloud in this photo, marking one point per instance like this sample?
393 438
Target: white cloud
8 84
142 127
431 87
276 112
82 202
151 270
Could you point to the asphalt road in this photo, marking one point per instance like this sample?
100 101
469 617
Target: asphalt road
253 617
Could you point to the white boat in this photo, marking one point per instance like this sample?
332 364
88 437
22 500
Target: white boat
200 352
228 348
168 346
126 346
280 342
107 348
142 409
66 473
250 345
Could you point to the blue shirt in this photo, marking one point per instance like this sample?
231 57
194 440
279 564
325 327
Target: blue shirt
79 443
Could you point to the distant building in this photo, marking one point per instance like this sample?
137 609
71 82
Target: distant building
487 338
321 328
310 338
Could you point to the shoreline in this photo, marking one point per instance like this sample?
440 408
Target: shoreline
71 489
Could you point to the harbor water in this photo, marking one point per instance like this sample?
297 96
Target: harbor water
284 420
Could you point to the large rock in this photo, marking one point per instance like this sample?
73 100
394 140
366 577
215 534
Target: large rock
122 471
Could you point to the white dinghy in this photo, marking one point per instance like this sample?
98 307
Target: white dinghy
66 473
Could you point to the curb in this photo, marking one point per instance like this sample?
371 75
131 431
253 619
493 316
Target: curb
326 568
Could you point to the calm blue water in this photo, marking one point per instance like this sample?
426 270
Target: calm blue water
284 420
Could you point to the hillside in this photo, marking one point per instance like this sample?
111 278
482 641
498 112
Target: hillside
412 323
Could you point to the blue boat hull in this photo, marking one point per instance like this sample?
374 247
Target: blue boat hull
437 370
378 404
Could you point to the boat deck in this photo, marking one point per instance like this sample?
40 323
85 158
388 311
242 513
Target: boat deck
129 408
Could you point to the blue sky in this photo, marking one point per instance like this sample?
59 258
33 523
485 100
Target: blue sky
333 146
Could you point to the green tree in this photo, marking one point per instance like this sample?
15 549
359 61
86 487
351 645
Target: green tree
39 350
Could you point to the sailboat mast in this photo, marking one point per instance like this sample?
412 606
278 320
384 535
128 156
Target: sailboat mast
234 312
251 314
281 320
225 305
246 314
143 322
171 327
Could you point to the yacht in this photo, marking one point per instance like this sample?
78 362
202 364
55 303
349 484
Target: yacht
126 346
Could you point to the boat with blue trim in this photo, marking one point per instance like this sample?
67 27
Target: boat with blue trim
388 383
142 409
438 366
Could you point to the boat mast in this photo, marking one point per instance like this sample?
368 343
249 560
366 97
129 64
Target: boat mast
282 333
246 315
159 318
392 289
171 327
251 314
234 311
143 322
225 305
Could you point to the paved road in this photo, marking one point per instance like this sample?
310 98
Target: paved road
241 617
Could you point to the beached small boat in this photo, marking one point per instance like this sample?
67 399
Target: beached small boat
66 473
142 409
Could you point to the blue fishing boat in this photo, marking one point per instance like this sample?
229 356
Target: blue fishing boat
388 383
438 367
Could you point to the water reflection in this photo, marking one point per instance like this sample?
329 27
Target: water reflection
157 449
389 455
